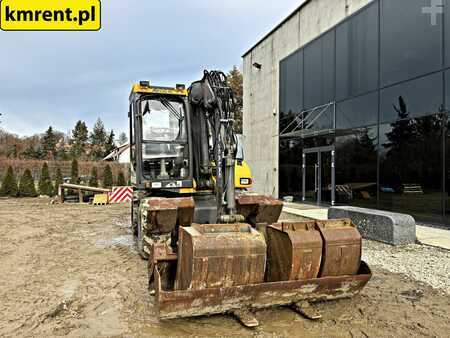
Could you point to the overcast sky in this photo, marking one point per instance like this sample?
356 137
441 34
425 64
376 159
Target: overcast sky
57 78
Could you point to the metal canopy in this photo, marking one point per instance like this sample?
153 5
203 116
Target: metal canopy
302 124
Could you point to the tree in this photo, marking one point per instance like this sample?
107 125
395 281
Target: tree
49 142
98 135
79 138
107 177
45 183
74 178
12 152
26 185
400 155
123 139
9 184
121 180
8 143
93 180
58 181
61 154
39 153
110 146
29 153
98 140
235 81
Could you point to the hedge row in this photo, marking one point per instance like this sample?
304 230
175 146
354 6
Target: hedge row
84 168
48 186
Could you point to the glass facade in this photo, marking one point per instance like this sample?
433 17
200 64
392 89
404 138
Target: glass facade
386 70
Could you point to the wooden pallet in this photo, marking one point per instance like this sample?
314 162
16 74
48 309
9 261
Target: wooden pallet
101 199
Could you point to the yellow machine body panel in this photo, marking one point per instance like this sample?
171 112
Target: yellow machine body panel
242 175
242 178
141 89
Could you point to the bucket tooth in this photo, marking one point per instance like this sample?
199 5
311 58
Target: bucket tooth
306 310
246 318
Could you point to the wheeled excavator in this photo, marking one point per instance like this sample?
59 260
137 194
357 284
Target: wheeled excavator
213 246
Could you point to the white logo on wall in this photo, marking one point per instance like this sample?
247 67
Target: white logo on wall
436 8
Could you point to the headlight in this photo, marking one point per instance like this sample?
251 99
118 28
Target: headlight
246 181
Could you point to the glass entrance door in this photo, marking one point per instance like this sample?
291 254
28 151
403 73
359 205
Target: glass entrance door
310 176
319 175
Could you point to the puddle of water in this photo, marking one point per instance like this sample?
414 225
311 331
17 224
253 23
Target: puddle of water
124 240
123 225
69 288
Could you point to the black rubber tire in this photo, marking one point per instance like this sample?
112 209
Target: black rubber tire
134 218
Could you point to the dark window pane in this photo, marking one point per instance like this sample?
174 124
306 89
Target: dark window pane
447 32
328 73
319 71
357 54
412 99
290 177
282 92
357 112
356 167
411 167
447 89
291 91
293 84
447 175
410 44
313 74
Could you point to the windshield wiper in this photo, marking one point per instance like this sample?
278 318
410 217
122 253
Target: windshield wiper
166 103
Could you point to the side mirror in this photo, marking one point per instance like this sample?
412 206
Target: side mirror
240 148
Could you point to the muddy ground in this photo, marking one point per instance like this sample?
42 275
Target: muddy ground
73 270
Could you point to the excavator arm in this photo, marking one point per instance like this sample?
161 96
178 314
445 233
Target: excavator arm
214 104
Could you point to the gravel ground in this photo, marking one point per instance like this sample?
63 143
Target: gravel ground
422 263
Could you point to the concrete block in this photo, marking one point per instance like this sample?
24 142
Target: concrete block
383 226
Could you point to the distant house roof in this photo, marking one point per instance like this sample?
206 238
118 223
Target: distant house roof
115 154
277 26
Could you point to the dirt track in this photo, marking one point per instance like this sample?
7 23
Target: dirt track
73 270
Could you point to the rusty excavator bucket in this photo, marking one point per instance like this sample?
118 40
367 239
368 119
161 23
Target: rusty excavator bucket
260 263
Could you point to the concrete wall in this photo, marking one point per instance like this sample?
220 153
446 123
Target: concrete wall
261 87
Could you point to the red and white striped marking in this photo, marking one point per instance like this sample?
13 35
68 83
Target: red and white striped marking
121 195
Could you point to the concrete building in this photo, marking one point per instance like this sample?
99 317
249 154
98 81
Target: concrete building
345 102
